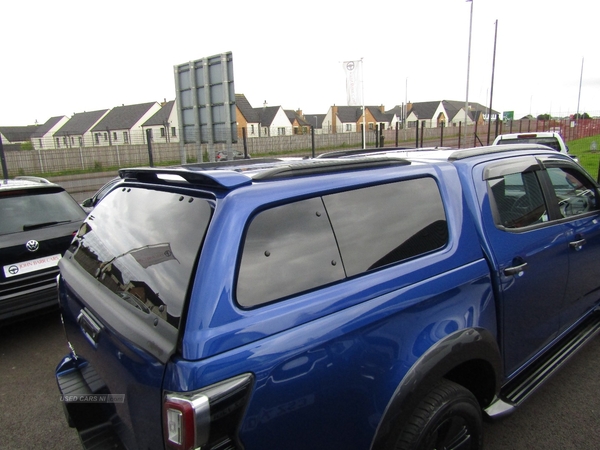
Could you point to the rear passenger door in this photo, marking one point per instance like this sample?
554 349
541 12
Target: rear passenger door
530 254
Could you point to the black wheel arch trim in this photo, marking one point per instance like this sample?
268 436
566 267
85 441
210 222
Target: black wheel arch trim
462 346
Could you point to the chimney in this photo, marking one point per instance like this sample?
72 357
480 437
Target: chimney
381 109
334 110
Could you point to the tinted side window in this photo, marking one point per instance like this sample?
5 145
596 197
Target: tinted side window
385 224
292 248
575 194
518 199
288 249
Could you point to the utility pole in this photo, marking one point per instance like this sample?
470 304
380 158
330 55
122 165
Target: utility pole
468 69
492 87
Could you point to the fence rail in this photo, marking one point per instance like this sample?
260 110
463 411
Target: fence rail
98 158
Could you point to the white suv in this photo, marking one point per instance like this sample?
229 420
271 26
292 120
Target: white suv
551 139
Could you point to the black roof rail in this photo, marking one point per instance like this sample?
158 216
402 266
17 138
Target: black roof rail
357 152
321 166
233 164
491 149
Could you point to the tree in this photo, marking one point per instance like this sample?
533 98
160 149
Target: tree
544 117
581 116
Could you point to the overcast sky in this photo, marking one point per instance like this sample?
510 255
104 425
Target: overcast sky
64 57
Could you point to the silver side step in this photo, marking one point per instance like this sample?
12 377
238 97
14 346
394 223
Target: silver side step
518 389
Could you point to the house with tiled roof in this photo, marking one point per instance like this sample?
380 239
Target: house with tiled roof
15 136
299 124
341 119
431 114
349 119
123 124
246 117
447 112
315 120
260 122
375 118
396 115
163 125
77 132
273 121
42 137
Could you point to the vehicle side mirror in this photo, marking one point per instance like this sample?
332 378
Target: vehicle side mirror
87 203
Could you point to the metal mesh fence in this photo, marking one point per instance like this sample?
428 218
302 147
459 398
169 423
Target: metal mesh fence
100 162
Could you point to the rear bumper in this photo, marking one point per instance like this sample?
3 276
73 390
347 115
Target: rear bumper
28 300
87 405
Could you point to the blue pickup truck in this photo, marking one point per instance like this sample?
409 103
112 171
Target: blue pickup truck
384 300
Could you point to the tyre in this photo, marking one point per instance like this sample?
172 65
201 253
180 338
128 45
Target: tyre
449 417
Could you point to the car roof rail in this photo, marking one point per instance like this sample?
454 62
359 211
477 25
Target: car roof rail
491 149
358 152
323 166
34 179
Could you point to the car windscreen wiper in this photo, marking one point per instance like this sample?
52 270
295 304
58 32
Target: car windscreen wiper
42 225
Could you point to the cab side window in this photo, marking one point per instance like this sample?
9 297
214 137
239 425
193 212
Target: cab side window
575 193
519 199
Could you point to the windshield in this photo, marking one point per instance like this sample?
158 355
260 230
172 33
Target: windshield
142 244
28 209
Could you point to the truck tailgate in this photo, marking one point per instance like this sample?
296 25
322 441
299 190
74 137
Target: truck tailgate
110 375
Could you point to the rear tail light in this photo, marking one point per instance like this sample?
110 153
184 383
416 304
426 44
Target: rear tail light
209 418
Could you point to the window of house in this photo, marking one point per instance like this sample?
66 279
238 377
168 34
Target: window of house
106 136
295 130
57 142
162 132
80 141
72 140
173 131
325 240
41 146
97 137
281 131
348 127
65 141
371 126
251 129
125 137
114 136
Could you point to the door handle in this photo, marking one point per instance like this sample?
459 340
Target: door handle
91 329
516 270
576 245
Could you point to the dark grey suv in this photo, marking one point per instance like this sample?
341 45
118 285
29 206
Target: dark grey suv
38 222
